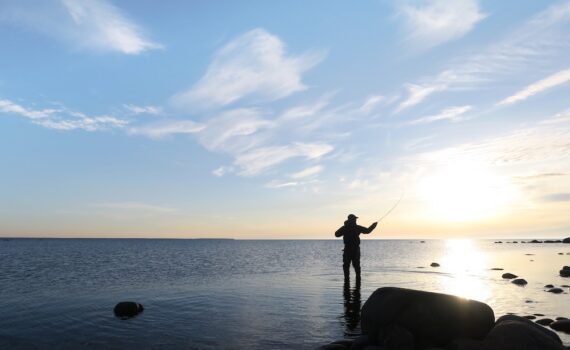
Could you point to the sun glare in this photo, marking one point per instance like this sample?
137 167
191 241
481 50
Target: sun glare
464 191
465 263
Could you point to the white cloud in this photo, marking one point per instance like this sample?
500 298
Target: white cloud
220 171
432 22
256 65
90 24
134 109
167 128
371 103
558 118
308 172
451 114
258 160
549 82
539 42
418 93
62 118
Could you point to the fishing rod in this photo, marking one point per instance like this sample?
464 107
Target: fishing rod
392 209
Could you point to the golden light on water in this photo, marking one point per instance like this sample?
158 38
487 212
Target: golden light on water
465 264
466 191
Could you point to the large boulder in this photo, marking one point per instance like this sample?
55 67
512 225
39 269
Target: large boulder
433 319
566 240
565 272
517 333
562 325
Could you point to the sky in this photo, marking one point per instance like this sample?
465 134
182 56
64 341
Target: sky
275 120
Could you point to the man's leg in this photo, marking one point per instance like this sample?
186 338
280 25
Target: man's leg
346 264
356 263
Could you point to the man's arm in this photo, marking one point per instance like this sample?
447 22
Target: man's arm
339 232
369 229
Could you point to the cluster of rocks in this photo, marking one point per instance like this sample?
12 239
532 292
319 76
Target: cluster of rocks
405 319
514 279
565 240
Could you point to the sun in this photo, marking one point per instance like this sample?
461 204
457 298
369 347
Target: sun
466 191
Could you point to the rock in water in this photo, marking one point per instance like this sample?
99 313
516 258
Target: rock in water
520 282
433 319
555 290
561 325
565 272
517 333
566 240
434 264
509 276
544 321
127 309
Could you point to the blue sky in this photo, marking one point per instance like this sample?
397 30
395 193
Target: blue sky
277 119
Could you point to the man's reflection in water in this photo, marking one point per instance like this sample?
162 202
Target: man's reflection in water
351 307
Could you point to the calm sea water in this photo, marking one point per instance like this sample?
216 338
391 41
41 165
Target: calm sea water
223 294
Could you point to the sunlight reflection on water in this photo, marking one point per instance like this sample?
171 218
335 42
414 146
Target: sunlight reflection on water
465 262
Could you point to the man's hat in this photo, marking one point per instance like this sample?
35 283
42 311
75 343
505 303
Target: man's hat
352 217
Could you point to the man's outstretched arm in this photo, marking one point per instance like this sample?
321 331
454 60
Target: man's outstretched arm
339 232
369 229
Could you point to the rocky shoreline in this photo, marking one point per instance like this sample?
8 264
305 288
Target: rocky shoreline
405 319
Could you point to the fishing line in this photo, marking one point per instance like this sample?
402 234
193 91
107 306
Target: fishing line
392 209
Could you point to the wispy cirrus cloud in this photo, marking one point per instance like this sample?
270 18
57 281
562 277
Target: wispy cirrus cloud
450 114
163 129
255 65
87 24
62 118
537 43
432 22
552 81
307 172
134 109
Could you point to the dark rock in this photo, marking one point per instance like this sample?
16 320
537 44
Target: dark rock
434 264
560 253
565 272
535 241
561 318
528 301
422 241
529 254
549 286
333 347
565 286
539 315
509 276
519 282
127 309
433 319
361 342
395 337
499 242
566 240
544 321
555 290
515 241
530 317
518 333
375 347
561 325
497 269
464 344
553 241
344 342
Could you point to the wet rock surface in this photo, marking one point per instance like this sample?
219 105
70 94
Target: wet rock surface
519 282
406 319
509 276
127 309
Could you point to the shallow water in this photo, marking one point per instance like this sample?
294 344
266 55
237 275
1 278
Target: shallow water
211 294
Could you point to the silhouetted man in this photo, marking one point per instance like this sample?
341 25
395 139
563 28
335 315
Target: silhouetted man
350 233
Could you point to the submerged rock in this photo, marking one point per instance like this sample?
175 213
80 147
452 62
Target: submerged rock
544 321
509 276
432 319
555 290
127 309
561 325
519 282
